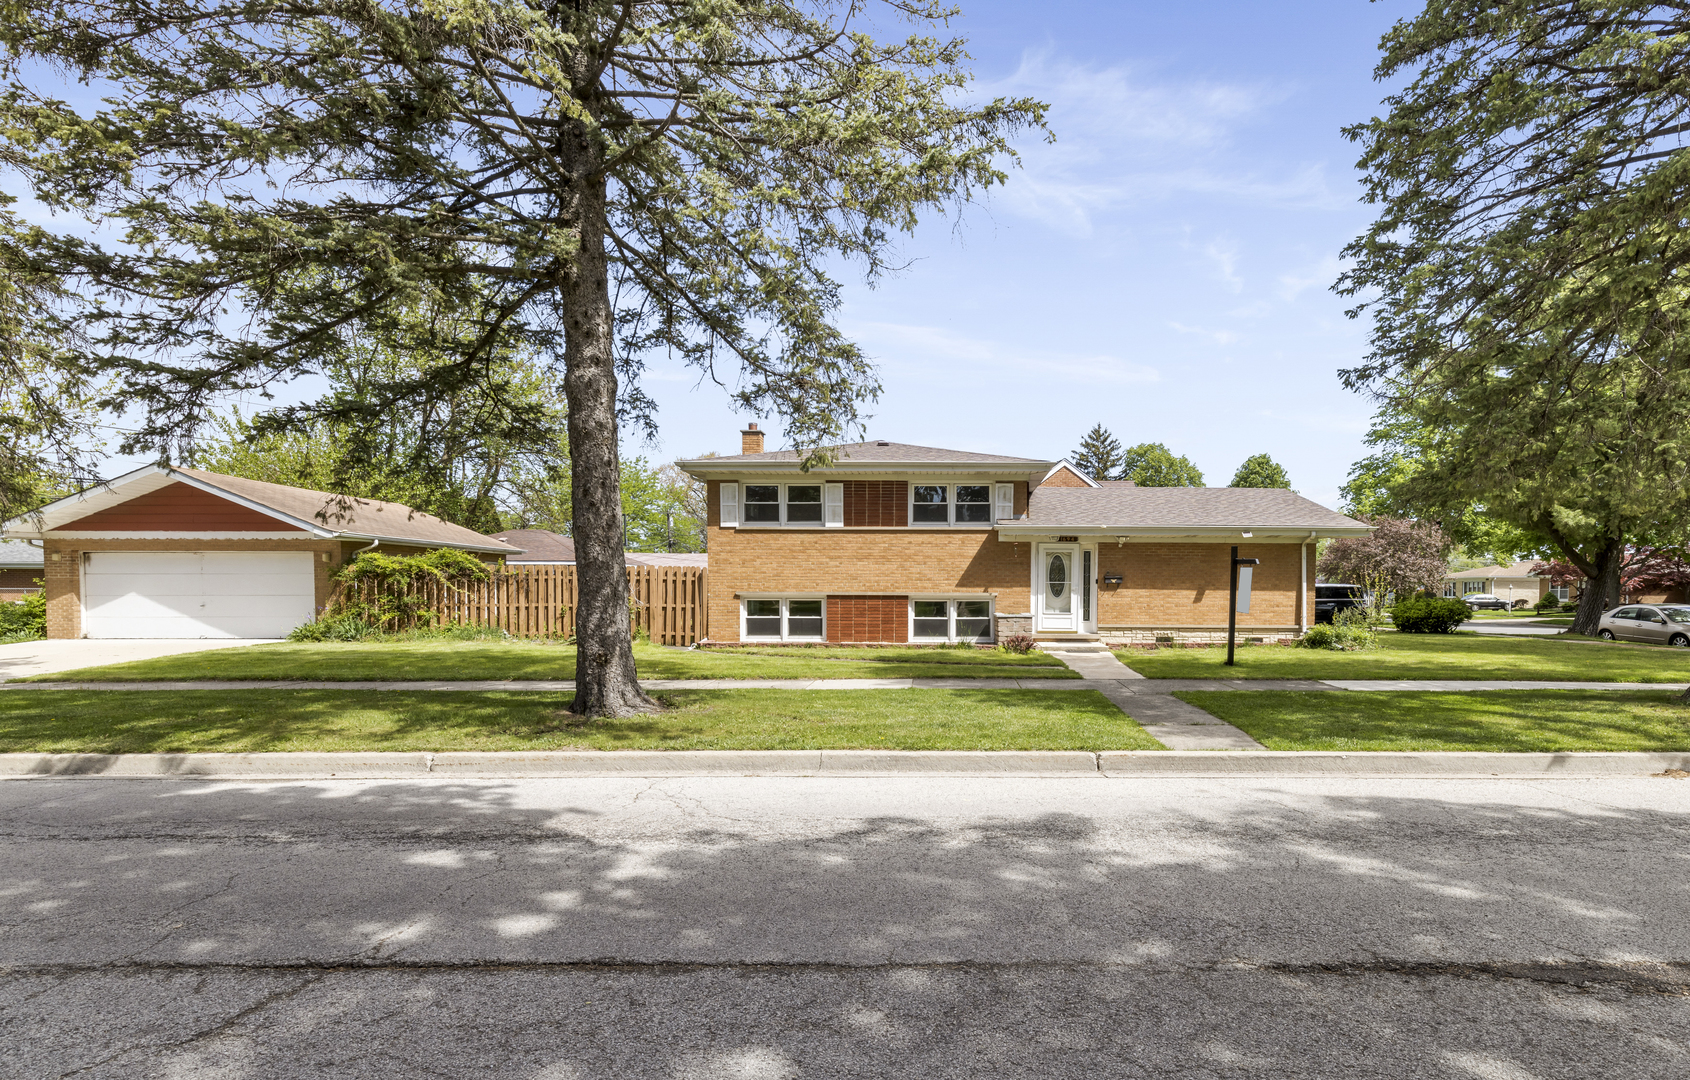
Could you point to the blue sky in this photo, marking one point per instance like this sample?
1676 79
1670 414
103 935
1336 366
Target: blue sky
1164 268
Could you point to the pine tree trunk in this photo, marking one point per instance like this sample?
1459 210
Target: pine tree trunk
1601 587
605 680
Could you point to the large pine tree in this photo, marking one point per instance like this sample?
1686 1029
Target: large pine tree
595 179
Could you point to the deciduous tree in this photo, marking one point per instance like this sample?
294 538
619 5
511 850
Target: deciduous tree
1260 471
1400 556
595 179
1154 465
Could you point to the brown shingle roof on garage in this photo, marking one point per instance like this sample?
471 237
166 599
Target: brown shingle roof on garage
370 518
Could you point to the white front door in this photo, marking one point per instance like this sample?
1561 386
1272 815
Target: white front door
196 594
1056 579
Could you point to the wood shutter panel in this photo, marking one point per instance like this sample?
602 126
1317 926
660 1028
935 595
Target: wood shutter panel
730 505
833 515
1006 501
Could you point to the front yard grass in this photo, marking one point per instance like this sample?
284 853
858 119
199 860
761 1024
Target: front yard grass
249 721
1426 656
452 660
1494 720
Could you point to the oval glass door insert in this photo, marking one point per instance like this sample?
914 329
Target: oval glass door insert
1058 598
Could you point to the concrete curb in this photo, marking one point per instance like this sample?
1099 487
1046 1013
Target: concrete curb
1054 763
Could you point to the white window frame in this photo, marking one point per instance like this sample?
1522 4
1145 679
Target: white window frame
783 487
1561 592
1469 587
950 603
1449 590
785 614
993 500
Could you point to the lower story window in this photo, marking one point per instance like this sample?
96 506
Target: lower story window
784 620
1561 592
1473 587
950 620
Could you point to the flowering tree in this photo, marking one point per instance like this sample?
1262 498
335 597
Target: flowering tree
1401 556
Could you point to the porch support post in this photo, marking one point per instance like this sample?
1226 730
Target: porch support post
1232 606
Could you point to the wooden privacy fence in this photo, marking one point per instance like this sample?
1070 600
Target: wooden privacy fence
667 602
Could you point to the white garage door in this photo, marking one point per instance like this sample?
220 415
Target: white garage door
196 594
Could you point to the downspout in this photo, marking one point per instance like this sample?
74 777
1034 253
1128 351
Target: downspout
1303 590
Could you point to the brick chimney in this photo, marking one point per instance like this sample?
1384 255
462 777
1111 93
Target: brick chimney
751 440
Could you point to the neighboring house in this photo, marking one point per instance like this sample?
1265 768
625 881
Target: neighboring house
165 552
20 570
539 546
666 558
545 548
901 543
1515 583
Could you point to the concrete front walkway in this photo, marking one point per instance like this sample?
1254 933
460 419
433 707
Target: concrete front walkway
69 654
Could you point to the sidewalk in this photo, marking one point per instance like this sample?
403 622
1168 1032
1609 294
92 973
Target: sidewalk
1055 764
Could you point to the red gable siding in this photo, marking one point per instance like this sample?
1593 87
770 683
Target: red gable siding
177 508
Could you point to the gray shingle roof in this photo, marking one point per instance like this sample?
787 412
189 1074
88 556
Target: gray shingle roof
15 554
1148 507
888 451
538 546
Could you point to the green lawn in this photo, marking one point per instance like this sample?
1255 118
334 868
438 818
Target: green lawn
1498 720
1426 656
111 722
356 661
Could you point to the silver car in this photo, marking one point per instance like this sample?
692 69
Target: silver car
1658 624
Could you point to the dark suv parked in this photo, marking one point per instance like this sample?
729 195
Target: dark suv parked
1329 600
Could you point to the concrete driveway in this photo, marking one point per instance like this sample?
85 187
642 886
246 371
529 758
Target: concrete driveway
68 654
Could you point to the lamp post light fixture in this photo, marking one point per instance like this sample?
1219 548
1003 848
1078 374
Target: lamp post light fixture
1234 598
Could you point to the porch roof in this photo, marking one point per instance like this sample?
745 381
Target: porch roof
1122 510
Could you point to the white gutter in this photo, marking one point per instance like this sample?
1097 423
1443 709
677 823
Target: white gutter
1016 529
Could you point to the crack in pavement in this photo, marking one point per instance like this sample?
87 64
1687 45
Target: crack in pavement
1668 978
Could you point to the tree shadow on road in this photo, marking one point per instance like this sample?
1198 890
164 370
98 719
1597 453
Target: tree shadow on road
670 928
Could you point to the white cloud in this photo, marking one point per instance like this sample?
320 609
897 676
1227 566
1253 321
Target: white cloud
907 345
1219 337
1123 137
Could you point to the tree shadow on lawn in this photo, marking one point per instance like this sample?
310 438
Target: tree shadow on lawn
251 721
980 926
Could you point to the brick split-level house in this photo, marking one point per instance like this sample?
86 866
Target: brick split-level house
894 543
182 553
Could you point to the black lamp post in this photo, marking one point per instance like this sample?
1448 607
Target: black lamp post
1232 603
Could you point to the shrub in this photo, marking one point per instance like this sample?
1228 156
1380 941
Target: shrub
1351 630
388 591
1020 644
1547 605
1429 615
24 621
343 627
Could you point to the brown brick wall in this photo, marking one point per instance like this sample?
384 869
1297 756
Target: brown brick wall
1186 584
64 569
868 618
19 579
1065 477
877 503
177 506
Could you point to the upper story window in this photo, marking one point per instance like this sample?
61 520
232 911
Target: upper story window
783 504
950 504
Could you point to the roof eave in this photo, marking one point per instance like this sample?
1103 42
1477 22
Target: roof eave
1258 532
718 468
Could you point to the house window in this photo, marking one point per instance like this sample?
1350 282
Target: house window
1472 587
762 503
950 504
784 620
1561 592
776 504
1449 589
950 620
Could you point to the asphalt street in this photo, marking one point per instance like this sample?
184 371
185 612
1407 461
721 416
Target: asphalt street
923 926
